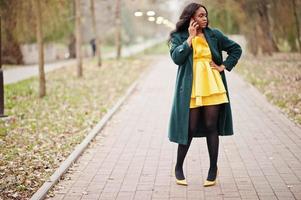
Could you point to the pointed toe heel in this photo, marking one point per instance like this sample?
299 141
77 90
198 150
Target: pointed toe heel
208 183
181 182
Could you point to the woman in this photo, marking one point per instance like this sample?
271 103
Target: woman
201 104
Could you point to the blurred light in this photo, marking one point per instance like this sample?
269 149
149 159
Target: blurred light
67 55
151 19
165 21
150 13
170 25
159 20
138 13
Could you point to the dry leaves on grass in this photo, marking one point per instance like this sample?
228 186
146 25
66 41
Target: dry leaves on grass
40 133
279 78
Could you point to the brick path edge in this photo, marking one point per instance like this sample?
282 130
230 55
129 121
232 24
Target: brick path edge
67 163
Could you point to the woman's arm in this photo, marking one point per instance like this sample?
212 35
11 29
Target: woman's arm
179 51
232 48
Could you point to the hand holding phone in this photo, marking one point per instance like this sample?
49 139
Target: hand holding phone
193 26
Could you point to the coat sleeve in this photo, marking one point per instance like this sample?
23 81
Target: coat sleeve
179 51
232 48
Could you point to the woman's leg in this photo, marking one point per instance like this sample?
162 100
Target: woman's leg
194 117
210 120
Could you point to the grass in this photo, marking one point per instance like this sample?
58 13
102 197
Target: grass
107 48
161 48
40 133
279 78
157 50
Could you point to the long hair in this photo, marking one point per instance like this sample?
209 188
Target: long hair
184 20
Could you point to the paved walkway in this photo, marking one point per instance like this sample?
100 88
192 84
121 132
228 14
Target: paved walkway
24 72
132 157
19 73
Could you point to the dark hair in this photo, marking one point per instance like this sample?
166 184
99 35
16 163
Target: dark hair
184 20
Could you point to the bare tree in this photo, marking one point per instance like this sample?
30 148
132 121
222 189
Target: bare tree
11 50
97 39
78 38
1 75
39 32
264 29
297 24
118 29
259 30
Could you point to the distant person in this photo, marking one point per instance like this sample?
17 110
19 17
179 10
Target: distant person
201 104
93 46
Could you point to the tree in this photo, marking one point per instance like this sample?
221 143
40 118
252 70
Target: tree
297 23
1 76
11 50
39 32
78 38
264 28
269 25
257 27
19 20
118 29
97 39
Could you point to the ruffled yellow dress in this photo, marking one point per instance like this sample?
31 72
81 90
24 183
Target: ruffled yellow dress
207 84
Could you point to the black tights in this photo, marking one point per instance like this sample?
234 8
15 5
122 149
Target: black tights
210 117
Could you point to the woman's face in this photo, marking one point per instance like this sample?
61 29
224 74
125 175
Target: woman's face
200 16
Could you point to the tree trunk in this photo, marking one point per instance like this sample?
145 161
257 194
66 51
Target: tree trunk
97 39
249 7
42 81
267 44
1 75
78 38
297 24
11 51
118 29
253 40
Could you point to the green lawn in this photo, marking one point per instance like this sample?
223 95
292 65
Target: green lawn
161 48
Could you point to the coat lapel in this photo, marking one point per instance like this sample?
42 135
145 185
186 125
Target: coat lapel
212 42
213 45
184 35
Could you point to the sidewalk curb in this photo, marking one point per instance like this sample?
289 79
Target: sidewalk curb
67 163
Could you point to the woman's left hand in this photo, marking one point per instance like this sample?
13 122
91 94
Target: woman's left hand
215 66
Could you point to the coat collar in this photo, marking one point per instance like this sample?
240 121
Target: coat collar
209 33
211 40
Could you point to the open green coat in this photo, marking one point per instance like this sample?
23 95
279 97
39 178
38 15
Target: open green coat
181 54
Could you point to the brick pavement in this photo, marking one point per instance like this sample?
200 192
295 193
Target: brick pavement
132 157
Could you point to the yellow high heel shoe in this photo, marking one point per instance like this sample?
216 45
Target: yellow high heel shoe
210 183
180 182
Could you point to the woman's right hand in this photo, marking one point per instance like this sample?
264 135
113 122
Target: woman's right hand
192 30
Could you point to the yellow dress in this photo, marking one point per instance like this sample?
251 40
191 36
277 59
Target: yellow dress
207 84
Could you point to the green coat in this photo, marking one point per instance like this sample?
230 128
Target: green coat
181 54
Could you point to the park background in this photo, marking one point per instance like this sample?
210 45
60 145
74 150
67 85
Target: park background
49 114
